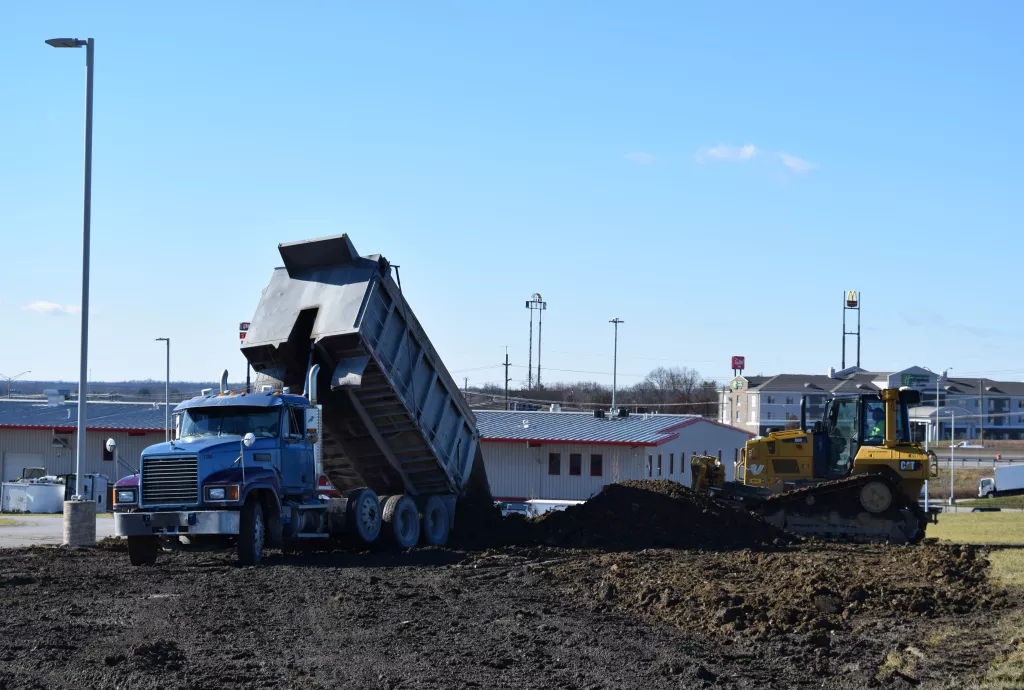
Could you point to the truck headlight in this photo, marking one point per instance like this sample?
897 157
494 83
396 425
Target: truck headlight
222 493
124 496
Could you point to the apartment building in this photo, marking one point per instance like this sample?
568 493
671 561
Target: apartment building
979 408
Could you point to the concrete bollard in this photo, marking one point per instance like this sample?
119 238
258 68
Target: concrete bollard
79 523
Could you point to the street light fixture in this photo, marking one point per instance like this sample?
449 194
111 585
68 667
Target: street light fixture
89 46
11 378
167 391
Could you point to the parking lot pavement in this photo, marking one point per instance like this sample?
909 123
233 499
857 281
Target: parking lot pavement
29 530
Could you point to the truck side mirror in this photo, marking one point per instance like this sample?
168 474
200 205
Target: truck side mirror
249 439
819 427
312 420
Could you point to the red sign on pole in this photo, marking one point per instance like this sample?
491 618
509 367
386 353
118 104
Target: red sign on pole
243 328
738 363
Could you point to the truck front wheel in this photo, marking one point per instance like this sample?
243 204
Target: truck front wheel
252 533
143 550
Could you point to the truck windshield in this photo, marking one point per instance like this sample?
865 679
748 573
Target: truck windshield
230 421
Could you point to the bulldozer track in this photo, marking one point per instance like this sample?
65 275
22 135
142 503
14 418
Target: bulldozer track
842 496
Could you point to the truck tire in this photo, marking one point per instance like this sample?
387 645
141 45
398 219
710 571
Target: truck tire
143 550
402 521
435 522
363 518
252 533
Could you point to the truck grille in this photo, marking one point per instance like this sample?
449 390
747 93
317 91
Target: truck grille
170 481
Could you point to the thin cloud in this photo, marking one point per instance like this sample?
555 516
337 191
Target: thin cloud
726 152
640 157
796 164
50 308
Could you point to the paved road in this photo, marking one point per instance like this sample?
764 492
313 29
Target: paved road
43 529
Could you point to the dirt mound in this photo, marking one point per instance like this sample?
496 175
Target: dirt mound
655 514
812 589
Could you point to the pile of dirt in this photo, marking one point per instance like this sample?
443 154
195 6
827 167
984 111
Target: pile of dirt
626 516
811 590
655 514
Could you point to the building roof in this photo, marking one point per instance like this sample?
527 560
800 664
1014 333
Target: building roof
583 427
814 384
988 387
100 416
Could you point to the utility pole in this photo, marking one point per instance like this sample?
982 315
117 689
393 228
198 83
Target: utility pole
506 377
11 378
615 360
167 392
465 388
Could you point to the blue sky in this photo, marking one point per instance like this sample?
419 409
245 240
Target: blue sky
715 175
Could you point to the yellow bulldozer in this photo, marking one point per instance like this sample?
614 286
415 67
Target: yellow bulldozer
855 476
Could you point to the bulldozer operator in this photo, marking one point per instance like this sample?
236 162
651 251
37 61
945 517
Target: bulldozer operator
878 429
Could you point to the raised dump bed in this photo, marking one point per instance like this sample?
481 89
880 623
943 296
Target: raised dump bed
393 419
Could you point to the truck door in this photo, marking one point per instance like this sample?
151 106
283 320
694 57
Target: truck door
296 454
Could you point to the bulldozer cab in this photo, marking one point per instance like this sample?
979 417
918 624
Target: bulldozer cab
855 421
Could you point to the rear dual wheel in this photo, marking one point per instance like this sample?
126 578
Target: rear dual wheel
401 520
404 526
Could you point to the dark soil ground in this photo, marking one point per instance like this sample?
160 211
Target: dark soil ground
537 616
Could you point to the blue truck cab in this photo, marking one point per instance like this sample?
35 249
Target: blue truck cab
241 467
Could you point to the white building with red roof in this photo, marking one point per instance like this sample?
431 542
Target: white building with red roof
573 455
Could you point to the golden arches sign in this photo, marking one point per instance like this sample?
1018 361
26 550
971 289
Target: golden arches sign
851 298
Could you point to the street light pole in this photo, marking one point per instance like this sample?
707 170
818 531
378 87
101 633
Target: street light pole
615 360
11 378
167 392
952 450
83 382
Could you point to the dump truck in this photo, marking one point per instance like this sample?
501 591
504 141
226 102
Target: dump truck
379 416
854 476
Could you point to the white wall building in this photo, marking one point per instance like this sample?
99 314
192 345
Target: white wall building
573 455
34 433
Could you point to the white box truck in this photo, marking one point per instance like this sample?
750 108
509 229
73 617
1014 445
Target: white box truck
1009 481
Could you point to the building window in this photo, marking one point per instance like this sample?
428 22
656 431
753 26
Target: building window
575 464
650 465
671 463
753 401
769 400
1020 404
789 399
753 415
769 415
554 463
739 401
659 464
737 415
596 465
